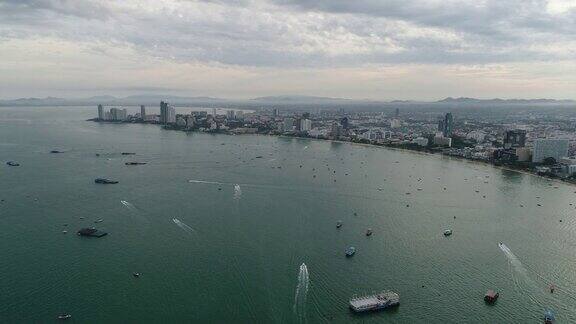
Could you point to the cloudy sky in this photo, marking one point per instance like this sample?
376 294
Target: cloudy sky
375 49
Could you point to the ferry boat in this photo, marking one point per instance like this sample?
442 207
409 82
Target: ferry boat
379 301
350 251
448 232
12 163
105 181
491 296
549 317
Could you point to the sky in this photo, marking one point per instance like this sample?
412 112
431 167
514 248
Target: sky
360 49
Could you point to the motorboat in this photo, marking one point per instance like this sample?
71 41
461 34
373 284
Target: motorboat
12 163
448 232
64 316
350 251
491 296
369 232
338 224
549 317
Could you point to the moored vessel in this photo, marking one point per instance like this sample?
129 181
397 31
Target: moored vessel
105 181
375 302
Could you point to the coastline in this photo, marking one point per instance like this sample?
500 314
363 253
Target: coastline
439 154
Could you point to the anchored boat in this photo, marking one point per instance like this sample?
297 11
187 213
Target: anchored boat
379 301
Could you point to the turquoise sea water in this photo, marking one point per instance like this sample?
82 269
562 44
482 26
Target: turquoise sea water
218 227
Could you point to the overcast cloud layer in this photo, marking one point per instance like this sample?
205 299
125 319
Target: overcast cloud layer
378 49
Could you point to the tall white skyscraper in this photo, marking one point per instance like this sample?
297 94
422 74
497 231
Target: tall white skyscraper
143 112
101 115
167 113
546 148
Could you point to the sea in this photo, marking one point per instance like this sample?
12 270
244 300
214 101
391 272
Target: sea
242 229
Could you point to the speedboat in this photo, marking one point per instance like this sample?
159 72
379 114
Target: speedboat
350 251
369 232
549 317
12 163
64 316
105 181
338 224
136 274
448 232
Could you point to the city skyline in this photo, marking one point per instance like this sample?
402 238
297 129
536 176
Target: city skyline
417 50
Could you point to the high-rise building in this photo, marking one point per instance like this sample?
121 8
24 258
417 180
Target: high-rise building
214 112
101 115
276 112
167 113
447 125
117 114
395 123
288 124
336 130
305 125
549 148
231 114
515 138
397 113
345 123
143 112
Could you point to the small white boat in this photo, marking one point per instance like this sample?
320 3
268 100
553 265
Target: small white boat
64 316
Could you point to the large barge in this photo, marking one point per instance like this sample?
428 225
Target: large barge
375 302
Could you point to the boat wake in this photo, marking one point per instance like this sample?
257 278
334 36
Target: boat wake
237 192
301 293
518 268
128 205
183 226
208 182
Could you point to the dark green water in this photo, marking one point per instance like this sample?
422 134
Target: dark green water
237 258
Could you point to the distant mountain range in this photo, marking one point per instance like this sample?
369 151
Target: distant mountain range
286 100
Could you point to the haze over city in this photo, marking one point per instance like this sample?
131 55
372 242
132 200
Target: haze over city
364 49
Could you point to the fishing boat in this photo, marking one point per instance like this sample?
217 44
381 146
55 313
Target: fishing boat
491 296
549 317
350 251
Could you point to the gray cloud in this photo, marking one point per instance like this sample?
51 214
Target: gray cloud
305 33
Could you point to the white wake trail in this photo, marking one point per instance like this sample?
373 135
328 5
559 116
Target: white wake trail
183 226
128 205
301 293
237 192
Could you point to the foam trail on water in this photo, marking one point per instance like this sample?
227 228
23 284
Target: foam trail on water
517 265
183 226
128 205
208 182
301 293
237 192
